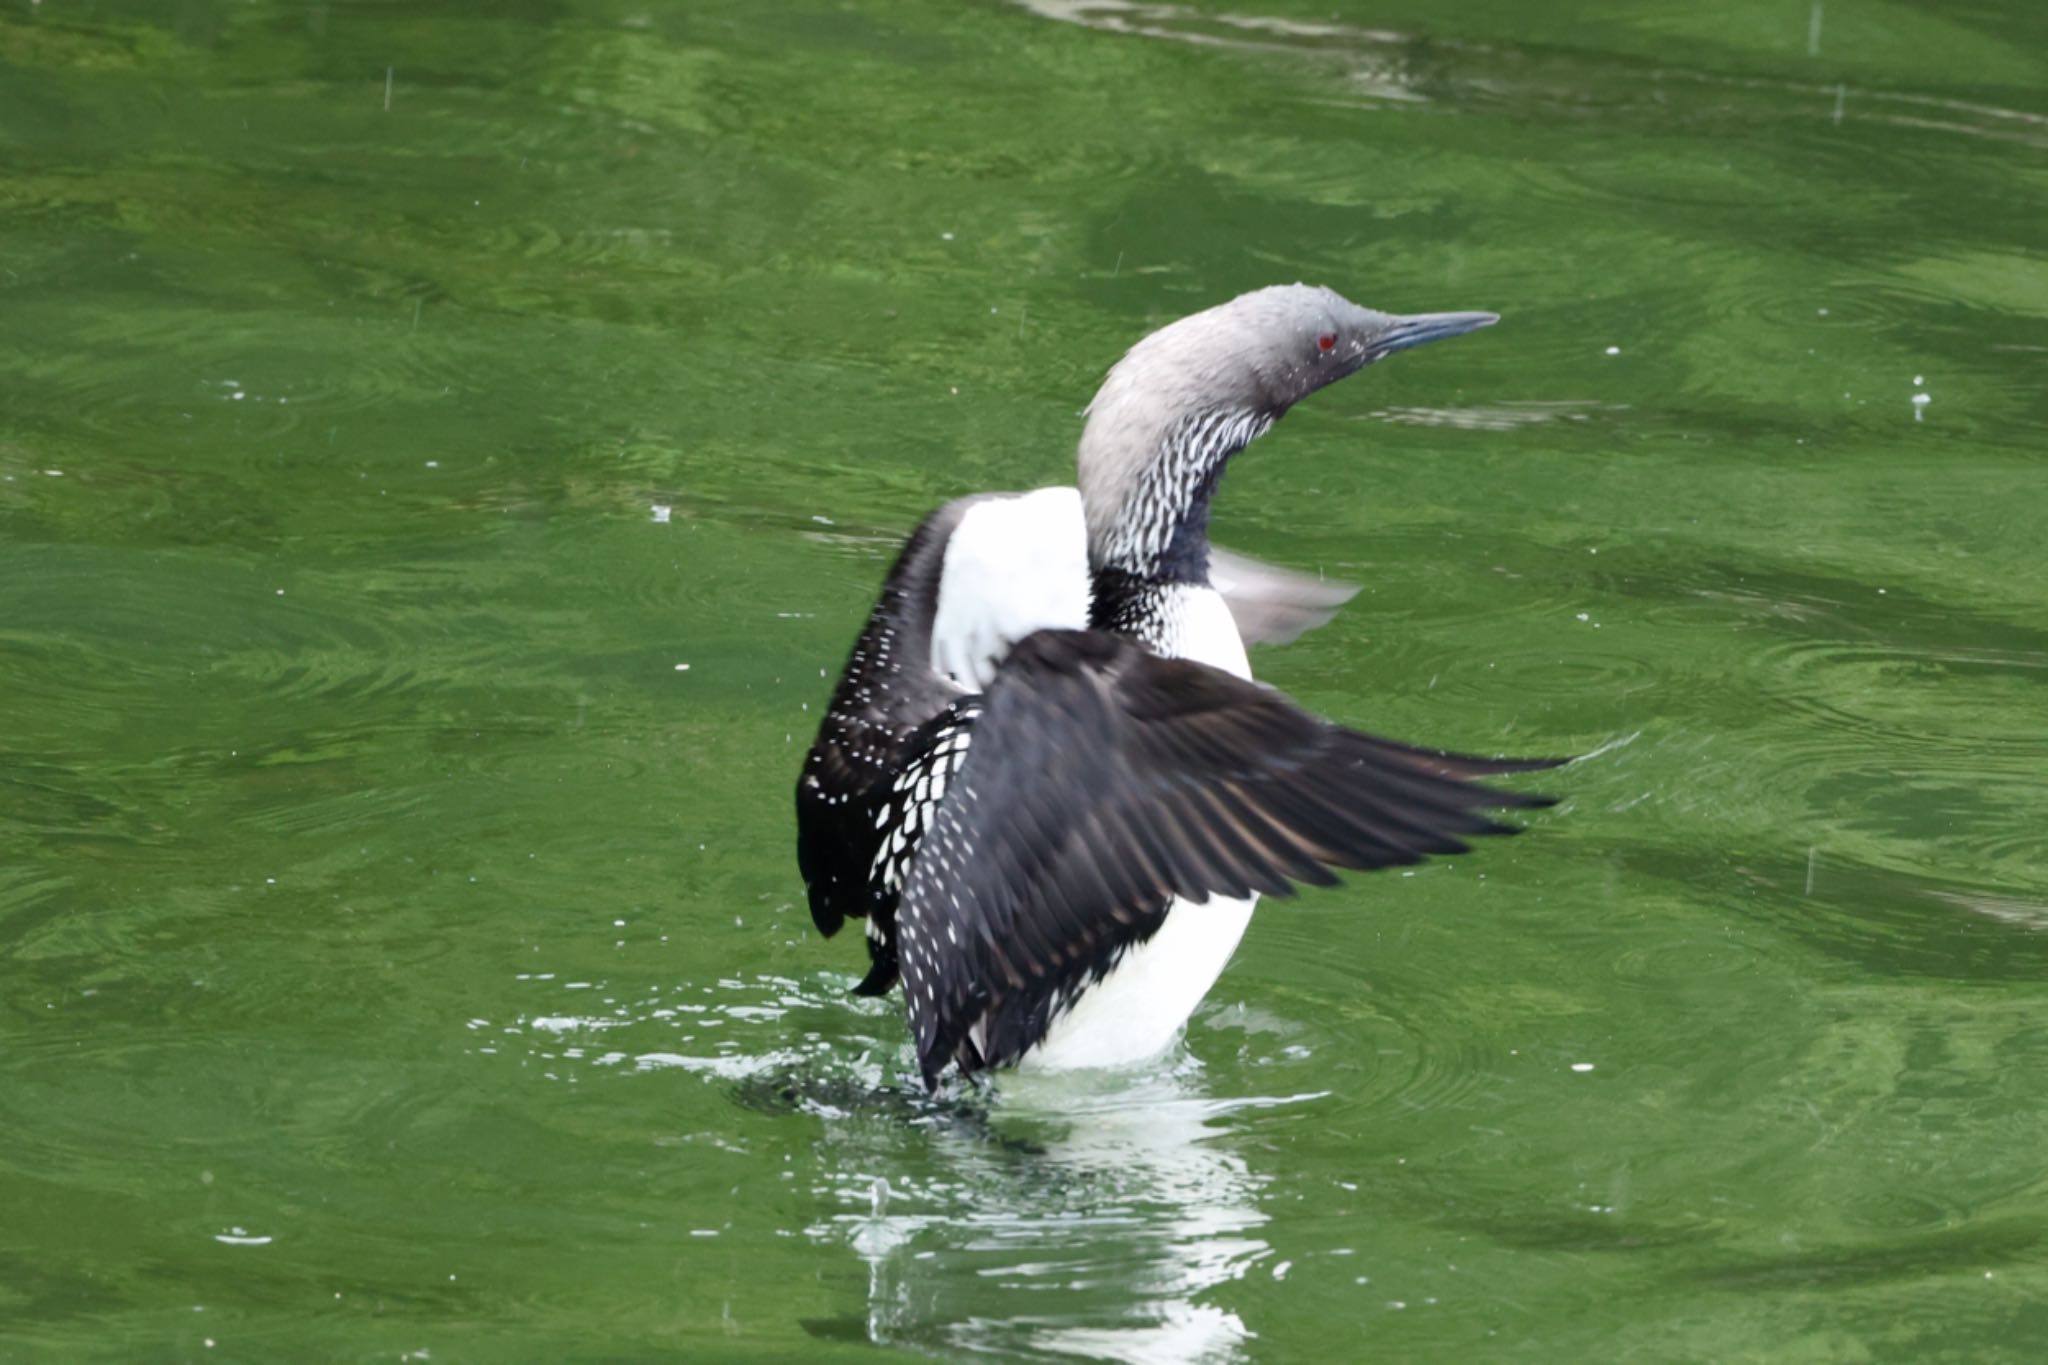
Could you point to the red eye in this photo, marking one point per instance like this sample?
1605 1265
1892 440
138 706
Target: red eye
1326 341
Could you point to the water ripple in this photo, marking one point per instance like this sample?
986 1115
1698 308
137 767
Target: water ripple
1401 67
1114 1189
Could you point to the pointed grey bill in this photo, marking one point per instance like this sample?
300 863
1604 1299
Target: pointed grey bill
1400 333
1272 605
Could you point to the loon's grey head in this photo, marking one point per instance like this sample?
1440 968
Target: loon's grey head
1192 394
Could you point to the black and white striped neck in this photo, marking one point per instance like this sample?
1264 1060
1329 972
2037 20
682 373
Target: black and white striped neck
1133 606
1158 527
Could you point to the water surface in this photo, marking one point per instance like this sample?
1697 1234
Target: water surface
444 450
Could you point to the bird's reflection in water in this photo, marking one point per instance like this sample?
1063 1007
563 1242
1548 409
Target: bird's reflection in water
1091 1215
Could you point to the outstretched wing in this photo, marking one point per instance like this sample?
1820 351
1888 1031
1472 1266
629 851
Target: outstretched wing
1103 781
904 809
1272 605
887 693
978 574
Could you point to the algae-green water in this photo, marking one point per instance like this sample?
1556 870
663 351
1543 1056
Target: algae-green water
445 448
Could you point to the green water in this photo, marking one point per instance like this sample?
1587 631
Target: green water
401 952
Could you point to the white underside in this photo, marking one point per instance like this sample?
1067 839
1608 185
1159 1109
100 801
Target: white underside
1013 565
1136 1011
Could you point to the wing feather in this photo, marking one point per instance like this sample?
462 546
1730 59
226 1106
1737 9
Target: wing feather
1102 782
977 574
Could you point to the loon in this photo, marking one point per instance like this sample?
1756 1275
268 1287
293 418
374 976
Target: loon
1046 779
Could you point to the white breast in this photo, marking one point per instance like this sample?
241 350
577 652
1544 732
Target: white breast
1200 627
1137 1010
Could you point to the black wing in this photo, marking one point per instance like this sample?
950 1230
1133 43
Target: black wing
894 728
1103 781
904 809
876 722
